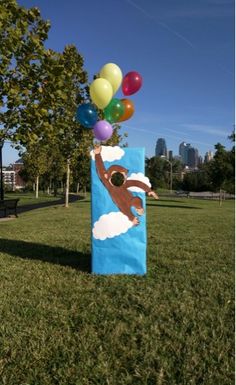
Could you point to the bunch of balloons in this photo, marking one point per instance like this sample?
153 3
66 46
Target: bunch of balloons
101 92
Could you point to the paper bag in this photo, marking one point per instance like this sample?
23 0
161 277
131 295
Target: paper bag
118 210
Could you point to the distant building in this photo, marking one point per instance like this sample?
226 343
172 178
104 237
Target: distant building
11 178
208 156
183 152
189 155
17 167
161 149
192 157
170 155
178 157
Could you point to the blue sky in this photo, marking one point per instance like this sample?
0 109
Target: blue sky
183 49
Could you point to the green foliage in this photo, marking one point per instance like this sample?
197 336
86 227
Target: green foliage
197 181
61 325
117 138
81 171
221 169
22 36
35 161
159 172
40 90
56 169
232 136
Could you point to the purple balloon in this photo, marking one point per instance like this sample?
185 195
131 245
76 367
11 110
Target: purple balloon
102 130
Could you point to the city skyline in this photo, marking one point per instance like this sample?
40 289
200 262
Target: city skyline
184 52
10 155
187 154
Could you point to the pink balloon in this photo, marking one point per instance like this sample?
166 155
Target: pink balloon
132 82
102 130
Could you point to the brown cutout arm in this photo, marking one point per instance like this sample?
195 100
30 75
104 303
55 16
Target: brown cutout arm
100 167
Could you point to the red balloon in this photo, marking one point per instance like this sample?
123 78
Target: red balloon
132 82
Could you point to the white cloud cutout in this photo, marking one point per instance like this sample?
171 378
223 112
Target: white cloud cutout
139 176
111 225
110 153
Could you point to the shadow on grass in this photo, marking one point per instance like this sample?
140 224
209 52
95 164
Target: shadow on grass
56 255
172 200
174 206
29 207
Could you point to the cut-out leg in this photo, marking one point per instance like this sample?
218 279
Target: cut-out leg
138 204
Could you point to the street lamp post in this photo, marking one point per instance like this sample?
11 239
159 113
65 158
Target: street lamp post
1 172
171 174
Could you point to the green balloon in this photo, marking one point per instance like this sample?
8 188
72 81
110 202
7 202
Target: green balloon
114 110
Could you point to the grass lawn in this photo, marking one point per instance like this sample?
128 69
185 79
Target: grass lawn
29 197
61 325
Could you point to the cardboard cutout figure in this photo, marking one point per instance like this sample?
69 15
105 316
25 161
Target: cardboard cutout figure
115 181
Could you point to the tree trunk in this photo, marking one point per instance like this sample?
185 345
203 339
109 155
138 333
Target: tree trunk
220 198
77 188
49 186
37 187
67 183
55 188
85 191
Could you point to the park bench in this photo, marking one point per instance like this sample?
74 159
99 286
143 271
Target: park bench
8 205
182 193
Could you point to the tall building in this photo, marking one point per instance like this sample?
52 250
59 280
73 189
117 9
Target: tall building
189 155
208 156
161 149
170 155
183 152
192 157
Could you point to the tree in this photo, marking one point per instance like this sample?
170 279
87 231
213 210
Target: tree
117 138
22 36
155 170
81 172
39 93
65 79
56 170
70 89
221 169
197 181
49 109
158 171
35 164
232 136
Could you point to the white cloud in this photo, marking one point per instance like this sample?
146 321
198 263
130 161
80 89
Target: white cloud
111 225
109 153
141 177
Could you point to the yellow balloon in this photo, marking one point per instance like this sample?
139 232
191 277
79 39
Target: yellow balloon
113 74
101 92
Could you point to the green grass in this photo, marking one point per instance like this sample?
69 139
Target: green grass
61 325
